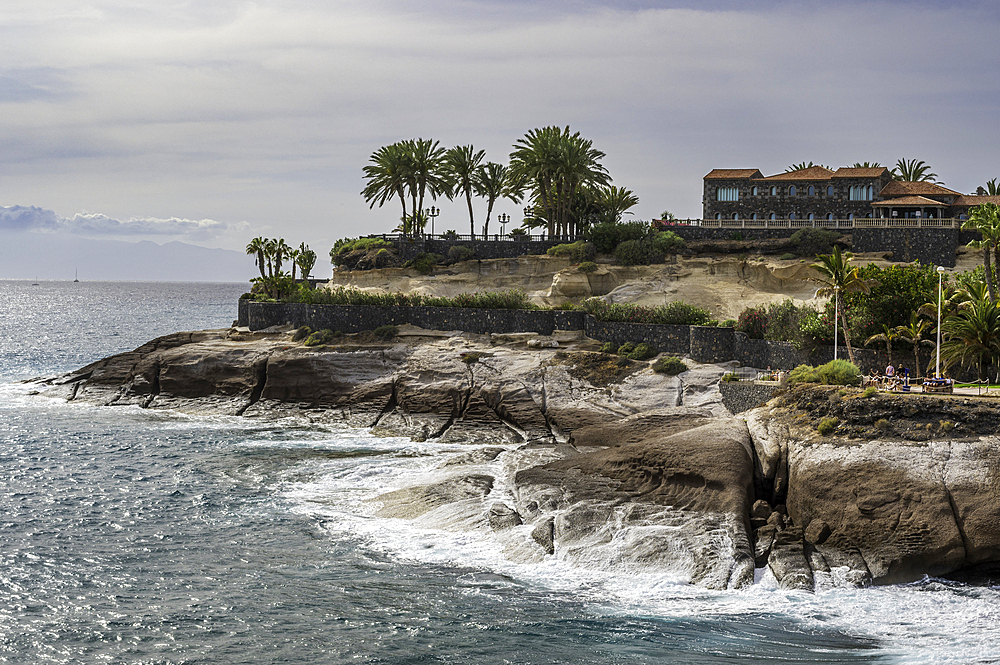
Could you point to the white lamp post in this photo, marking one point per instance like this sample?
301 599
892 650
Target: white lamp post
836 312
937 367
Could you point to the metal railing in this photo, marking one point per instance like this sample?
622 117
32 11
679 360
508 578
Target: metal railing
493 237
863 223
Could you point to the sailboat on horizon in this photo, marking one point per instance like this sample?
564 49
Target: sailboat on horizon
76 276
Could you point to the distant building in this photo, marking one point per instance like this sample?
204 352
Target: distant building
817 193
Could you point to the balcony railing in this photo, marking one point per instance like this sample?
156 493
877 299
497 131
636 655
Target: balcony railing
857 223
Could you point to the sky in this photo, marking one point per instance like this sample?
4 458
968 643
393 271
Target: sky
210 122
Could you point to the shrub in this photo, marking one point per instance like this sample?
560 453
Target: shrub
803 374
642 351
787 256
587 266
458 253
736 235
882 424
834 373
508 299
626 348
450 234
827 425
752 322
667 242
577 251
675 313
609 347
345 246
301 334
810 242
517 233
870 391
472 357
385 333
321 337
728 377
670 365
606 236
566 307
636 253
423 263
728 323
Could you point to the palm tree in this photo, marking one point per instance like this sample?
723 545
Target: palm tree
387 175
427 174
461 164
613 202
293 255
556 164
986 219
837 274
992 188
973 336
915 333
493 182
888 335
257 247
913 170
803 165
279 252
306 259
866 165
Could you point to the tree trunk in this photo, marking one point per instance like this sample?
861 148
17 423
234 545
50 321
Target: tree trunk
489 211
847 336
989 273
472 219
261 261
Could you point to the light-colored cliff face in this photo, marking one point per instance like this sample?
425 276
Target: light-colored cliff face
724 286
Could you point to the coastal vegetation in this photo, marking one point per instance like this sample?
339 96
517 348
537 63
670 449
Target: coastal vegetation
270 255
674 313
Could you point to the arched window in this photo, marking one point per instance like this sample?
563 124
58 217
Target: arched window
772 216
829 190
736 216
753 216
791 215
850 215
718 215
829 216
791 190
774 191
754 191
963 217
812 191
811 217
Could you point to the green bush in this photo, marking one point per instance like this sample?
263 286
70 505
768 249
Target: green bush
728 323
670 365
752 322
834 373
576 252
301 333
609 347
508 299
345 246
424 263
385 333
458 253
626 348
870 391
587 266
810 242
674 313
321 337
667 242
450 234
606 236
736 235
787 256
729 377
642 351
827 425
636 253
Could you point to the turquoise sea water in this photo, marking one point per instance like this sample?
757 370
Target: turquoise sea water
132 536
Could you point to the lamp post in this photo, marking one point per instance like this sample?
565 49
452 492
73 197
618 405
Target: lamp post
432 212
836 312
937 366
503 219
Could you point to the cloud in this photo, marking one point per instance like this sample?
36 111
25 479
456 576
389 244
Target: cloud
21 218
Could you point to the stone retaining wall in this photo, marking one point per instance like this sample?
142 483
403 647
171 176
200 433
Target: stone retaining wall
484 249
740 396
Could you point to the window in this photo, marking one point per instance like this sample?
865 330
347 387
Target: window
774 191
718 215
753 216
829 216
771 216
850 215
736 216
860 193
791 215
829 190
812 217
754 190
963 217
727 194
812 191
791 190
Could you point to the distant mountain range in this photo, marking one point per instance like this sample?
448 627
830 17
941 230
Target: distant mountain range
57 256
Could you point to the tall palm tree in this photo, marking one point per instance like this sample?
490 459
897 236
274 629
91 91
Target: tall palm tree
993 188
387 175
837 274
280 250
293 256
555 164
986 219
461 165
913 170
866 165
888 336
973 336
427 174
802 165
613 202
915 333
257 247
494 181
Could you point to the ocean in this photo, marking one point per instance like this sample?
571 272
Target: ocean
154 537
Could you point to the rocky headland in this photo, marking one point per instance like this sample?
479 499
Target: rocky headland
605 462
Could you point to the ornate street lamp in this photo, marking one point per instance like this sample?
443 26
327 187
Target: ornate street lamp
503 219
937 366
432 212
